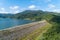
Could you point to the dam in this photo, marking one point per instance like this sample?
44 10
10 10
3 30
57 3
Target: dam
20 31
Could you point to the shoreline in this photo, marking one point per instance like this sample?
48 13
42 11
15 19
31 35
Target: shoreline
21 31
20 26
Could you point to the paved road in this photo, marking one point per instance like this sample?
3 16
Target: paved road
21 31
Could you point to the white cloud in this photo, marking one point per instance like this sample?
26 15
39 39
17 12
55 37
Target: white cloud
51 6
2 9
14 7
56 10
53 9
32 7
17 11
4 12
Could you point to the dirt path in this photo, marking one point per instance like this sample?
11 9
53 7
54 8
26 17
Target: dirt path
21 31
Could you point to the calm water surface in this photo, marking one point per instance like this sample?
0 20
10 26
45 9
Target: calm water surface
7 22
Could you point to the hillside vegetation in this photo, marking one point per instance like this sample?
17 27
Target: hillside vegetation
52 18
52 33
33 15
37 33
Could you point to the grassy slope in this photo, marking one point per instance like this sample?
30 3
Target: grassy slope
36 33
48 32
52 33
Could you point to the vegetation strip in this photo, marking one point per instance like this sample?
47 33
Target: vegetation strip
36 33
7 34
48 26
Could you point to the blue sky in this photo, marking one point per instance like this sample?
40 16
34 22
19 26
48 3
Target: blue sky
15 6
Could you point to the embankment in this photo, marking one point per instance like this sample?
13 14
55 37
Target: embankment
20 31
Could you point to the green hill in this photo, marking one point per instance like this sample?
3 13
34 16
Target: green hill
52 28
52 18
33 15
52 33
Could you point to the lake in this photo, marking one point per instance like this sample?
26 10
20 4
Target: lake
7 22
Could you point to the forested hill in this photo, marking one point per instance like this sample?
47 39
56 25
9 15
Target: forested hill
32 15
6 15
53 18
35 15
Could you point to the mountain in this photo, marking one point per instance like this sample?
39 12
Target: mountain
33 14
2 15
53 18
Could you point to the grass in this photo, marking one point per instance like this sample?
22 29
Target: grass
45 28
52 34
37 33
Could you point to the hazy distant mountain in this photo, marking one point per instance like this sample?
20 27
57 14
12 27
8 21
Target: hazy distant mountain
5 15
31 11
27 14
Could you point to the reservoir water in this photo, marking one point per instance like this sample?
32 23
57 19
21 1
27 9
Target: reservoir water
7 22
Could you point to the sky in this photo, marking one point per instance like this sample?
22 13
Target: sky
16 6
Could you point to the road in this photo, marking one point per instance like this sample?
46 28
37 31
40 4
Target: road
21 31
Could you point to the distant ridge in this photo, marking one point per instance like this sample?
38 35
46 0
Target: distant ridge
27 13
